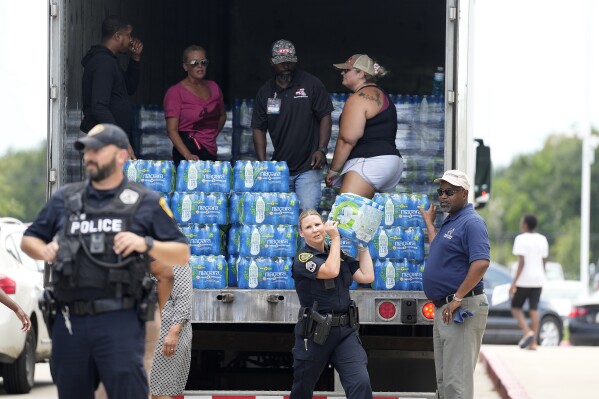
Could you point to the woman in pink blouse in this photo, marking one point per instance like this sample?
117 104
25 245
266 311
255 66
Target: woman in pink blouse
194 110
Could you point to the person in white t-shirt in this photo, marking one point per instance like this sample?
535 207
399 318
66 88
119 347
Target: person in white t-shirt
532 250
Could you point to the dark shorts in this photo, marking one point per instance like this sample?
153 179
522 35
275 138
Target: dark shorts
523 293
202 153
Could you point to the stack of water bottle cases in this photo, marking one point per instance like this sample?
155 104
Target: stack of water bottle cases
241 224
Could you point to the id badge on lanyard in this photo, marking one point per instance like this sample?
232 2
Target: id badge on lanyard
273 105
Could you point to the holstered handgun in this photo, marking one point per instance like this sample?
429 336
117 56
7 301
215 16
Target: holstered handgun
146 305
304 317
48 307
354 314
323 326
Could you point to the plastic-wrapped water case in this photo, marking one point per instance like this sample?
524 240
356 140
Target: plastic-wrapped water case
204 176
203 239
156 175
270 208
387 243
358 217
256 176
203 208
208 272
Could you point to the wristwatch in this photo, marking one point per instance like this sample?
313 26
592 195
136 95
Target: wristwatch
324 150
149 244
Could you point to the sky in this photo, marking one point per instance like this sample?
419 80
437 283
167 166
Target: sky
532 64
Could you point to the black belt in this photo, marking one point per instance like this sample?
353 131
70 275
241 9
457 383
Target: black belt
340 320
441 302
82 308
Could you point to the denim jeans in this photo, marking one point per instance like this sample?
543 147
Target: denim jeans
308 187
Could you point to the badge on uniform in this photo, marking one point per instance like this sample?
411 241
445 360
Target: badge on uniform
305 256
273 106
311 266
129 196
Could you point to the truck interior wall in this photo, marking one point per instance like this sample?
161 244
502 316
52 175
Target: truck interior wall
405 36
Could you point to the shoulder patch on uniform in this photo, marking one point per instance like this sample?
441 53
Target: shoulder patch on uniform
129 196
310 266
305 256
165 207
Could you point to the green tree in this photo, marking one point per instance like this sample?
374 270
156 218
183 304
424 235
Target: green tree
546 183
23 183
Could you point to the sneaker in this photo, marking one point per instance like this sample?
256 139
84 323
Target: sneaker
526 341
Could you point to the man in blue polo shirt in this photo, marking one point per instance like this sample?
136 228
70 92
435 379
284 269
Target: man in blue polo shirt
458 258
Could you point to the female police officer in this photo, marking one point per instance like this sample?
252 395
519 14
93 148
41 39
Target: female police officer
327 330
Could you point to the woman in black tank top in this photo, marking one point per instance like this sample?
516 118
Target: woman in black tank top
366 159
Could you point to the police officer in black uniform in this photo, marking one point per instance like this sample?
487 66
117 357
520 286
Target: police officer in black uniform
327 330
99 236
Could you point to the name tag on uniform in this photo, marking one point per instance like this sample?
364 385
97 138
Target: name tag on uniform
273 106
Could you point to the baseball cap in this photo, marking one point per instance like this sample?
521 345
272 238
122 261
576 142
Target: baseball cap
455 178
283 51
358 61
102 135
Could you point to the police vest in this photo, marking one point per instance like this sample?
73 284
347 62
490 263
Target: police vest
86 258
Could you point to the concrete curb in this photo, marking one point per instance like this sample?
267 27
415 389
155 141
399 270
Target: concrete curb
505 383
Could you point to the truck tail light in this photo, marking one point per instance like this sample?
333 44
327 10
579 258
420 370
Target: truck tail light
8 285
428 310
387 310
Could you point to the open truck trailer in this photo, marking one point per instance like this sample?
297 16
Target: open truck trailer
242 339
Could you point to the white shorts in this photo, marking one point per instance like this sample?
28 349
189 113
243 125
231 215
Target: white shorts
382 172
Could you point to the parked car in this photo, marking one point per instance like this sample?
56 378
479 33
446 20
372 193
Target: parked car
562 294
584 321
502 328
22 279
553 271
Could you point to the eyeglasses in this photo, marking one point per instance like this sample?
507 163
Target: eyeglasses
195 63
449 192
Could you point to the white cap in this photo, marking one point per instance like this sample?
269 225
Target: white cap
455 178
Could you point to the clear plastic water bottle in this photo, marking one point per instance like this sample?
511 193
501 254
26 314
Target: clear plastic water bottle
439 82
253 274
260 210
255 241
186 209
389 212
383 244
389 275
192 176
249 175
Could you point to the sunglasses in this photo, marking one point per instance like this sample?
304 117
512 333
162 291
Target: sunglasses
449 192
195 63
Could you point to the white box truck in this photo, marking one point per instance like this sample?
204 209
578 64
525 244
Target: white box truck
242 339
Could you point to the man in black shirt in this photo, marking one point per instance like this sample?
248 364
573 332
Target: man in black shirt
105 87
295 108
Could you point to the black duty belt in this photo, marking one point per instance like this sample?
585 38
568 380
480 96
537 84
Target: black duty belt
83 308
441 302
340 320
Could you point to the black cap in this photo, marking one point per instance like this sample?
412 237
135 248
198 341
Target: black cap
102 135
